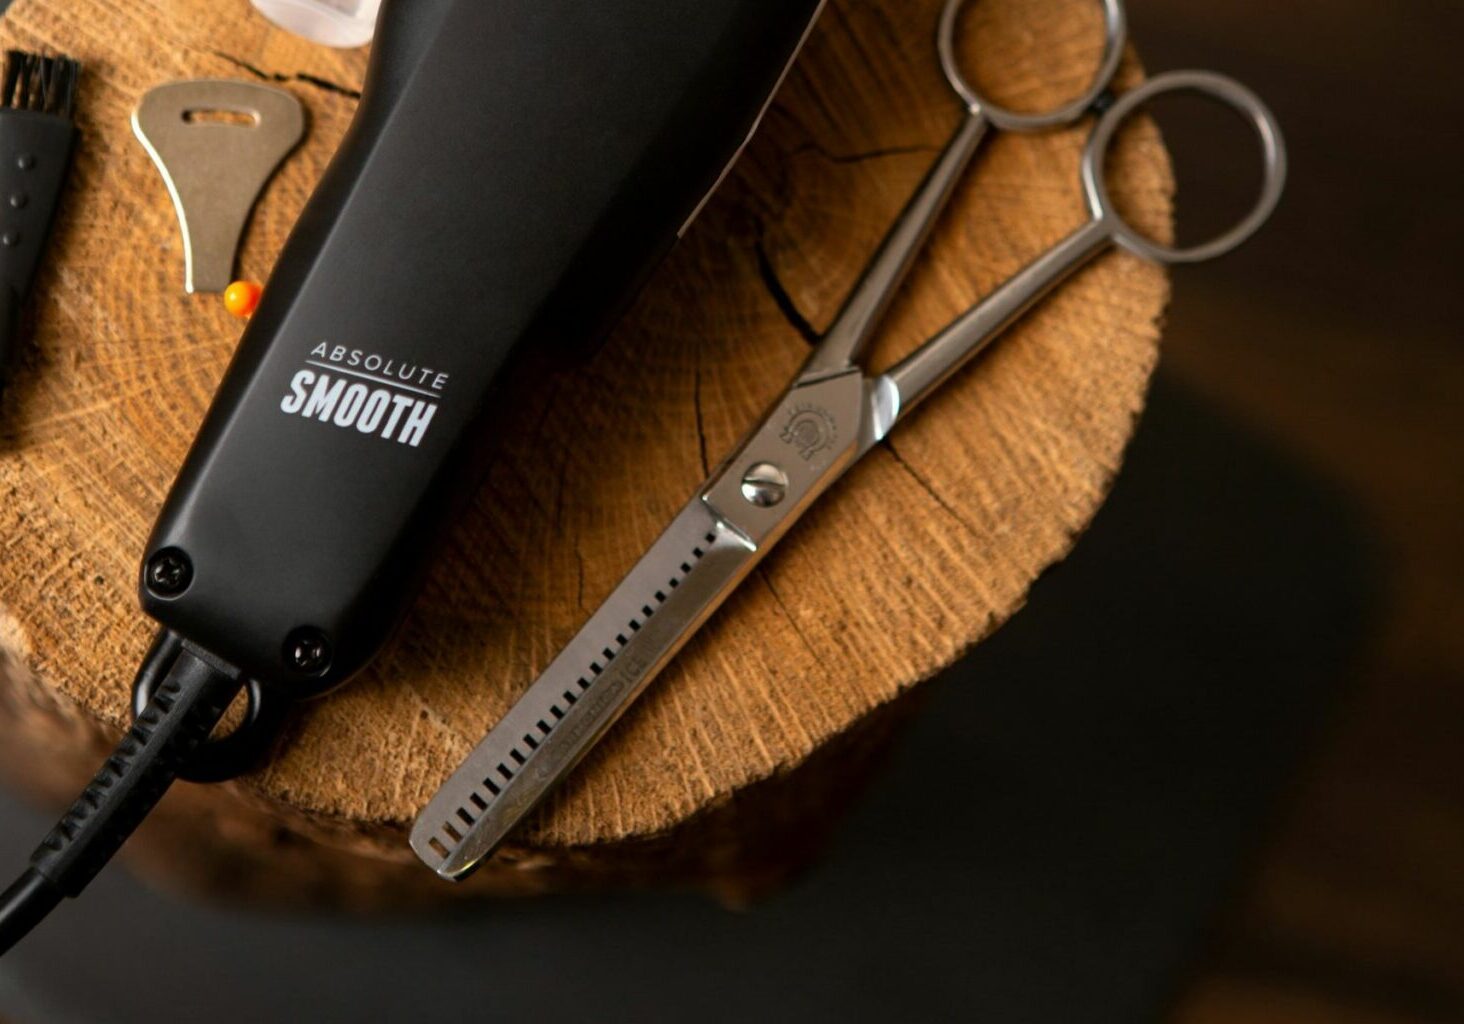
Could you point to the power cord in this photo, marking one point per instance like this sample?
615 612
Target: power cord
185 708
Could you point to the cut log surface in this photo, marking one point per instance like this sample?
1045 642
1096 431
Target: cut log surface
774 710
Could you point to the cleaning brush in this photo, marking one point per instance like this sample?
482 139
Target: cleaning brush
37 135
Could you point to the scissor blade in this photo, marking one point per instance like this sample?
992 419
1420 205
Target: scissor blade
809 438
681 581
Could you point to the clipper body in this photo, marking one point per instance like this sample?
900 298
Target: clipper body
515 172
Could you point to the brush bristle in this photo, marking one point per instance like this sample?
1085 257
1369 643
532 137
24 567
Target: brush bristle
44 85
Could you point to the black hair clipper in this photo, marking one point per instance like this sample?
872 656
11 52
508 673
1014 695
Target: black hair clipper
516 169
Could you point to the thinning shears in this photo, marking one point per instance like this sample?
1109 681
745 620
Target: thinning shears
828 419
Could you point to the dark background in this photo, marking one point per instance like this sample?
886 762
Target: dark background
1213 773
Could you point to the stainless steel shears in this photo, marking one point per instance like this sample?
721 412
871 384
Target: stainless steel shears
829 418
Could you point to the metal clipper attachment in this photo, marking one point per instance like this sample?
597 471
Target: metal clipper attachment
217 144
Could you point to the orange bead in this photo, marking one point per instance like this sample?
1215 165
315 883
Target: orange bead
242 298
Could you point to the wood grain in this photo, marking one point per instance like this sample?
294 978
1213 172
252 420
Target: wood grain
923 552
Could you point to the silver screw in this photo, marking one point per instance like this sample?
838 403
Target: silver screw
765 485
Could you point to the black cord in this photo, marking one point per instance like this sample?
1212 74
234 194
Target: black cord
25 905
187 706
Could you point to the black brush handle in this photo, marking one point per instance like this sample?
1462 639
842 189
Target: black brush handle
35 155
10 310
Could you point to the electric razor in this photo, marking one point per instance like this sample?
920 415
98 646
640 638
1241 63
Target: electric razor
514 173
516 170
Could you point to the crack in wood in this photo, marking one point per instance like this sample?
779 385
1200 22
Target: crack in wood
579 593
781 296
926 486
302 77
865 155
762 574
701 430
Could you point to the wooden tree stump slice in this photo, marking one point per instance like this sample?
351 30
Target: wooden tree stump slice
726 772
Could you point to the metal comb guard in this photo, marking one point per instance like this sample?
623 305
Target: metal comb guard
215 170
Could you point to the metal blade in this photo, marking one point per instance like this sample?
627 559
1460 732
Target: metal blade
809 438
684 577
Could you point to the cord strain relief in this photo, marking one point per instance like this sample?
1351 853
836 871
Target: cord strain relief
189 703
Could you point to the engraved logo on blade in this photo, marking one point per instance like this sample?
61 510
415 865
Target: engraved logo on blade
811 430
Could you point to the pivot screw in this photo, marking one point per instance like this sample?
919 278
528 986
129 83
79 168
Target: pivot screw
308 651
765 485
169 573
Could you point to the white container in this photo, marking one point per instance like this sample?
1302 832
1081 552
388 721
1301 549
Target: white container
340 23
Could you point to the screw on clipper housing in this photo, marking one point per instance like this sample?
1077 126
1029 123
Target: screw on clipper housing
169 573
308 651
